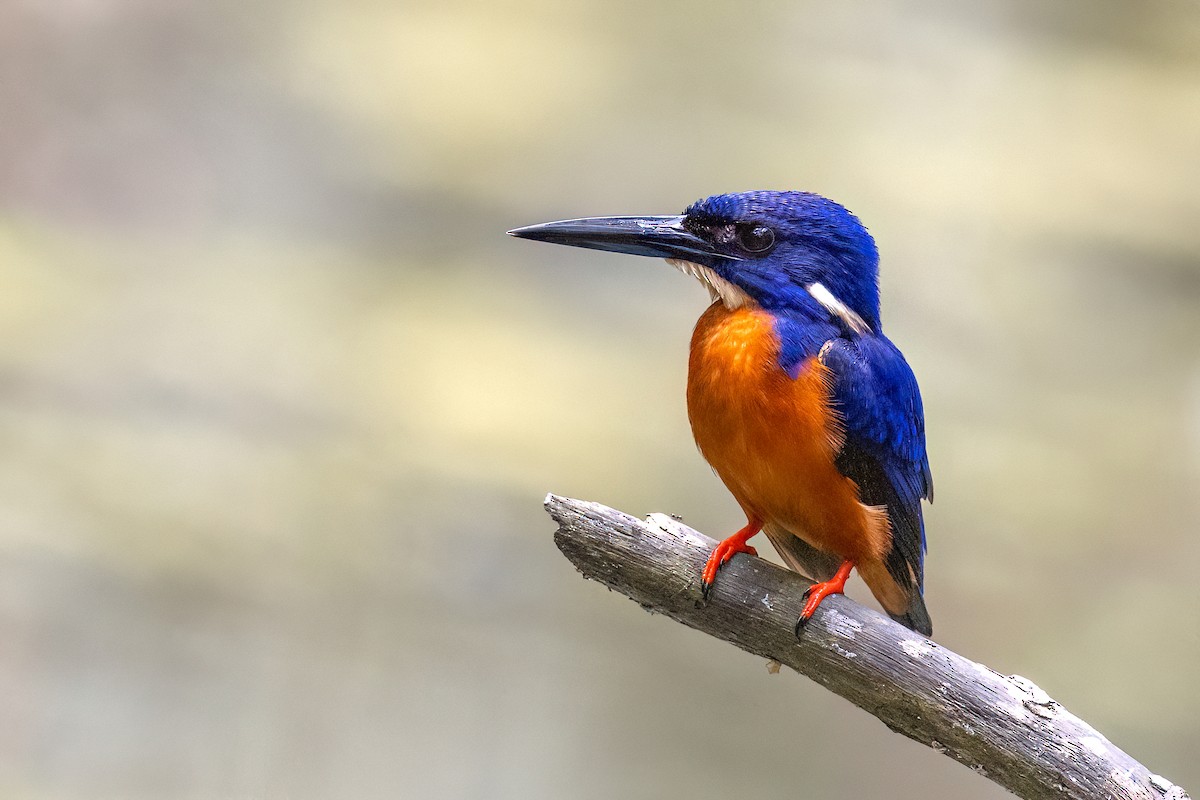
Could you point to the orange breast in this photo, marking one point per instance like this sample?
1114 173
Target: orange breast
772 439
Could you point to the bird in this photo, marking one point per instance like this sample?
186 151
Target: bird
806 411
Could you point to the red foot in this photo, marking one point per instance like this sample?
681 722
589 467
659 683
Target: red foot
819 591
726 550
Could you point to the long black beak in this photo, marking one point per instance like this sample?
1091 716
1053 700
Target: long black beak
661 237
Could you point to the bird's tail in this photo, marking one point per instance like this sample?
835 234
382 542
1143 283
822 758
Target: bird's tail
901 599
916 617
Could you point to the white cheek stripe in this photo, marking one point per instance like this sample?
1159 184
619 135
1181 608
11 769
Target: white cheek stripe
838 308
718 287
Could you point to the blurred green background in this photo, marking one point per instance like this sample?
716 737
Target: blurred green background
279 401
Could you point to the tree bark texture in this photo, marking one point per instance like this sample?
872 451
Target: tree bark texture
1001 726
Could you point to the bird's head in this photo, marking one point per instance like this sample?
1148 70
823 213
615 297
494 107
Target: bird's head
777 250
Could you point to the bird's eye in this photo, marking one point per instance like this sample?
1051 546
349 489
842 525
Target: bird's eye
754 238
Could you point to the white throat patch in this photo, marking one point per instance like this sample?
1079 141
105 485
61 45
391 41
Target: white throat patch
838 308
718 287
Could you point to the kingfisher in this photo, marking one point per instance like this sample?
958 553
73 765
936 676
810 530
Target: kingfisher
806 411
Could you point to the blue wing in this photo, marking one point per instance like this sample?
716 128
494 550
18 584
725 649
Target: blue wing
876 395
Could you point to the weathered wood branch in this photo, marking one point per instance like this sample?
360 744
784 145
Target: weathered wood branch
1003 727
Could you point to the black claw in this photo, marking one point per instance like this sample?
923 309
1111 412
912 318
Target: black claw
705 590
800 623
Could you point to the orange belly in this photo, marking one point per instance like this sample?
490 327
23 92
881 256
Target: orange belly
773 439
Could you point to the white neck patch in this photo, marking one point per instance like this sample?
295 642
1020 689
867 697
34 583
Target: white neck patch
838 308
718 287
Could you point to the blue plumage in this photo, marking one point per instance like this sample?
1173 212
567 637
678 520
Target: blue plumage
876 397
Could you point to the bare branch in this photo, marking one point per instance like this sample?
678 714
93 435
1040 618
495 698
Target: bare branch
1003 727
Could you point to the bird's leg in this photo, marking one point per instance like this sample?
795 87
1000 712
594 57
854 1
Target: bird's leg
819 591
726 550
